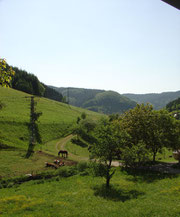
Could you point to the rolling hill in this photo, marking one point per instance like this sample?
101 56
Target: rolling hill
101 101
158 100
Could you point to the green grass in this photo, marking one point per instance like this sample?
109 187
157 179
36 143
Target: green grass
79 196
77 150
56 121
147 194
13 163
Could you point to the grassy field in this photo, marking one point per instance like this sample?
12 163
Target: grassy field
56 121
143 195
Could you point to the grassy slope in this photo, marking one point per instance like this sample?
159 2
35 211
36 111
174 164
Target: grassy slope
78 196
57 120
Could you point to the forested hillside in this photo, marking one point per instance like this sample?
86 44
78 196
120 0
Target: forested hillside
158 100
102 101
29 83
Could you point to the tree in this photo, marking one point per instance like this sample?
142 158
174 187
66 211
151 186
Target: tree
175 140
154 128
33 128
5 74
83 115
108 139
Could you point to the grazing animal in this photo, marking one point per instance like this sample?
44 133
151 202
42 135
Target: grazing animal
63 153
51 165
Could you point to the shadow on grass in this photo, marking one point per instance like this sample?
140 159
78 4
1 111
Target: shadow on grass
6 147
148 176
116 194
79 142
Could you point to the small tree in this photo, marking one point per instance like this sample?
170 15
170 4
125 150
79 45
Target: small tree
108 139
5 74
83 115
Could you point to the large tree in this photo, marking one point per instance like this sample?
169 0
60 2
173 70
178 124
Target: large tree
154 128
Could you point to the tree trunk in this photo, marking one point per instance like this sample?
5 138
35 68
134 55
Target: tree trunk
107 181
108 176
154 157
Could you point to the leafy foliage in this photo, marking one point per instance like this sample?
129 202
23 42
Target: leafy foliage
173 105
109 137
154 128
135 155
6 73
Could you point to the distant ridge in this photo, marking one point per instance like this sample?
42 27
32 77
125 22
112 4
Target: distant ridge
102 101
158 100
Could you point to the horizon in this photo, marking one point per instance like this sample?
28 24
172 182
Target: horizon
173 91
127 47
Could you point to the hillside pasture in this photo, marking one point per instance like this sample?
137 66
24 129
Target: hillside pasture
57 118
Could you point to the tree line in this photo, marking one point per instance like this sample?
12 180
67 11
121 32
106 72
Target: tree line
22 80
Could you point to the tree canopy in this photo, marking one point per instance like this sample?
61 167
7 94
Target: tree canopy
6 74
108 139
154 128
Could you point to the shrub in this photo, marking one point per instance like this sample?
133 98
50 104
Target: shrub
136 155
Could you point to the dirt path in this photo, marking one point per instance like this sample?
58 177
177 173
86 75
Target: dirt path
61 145
62 142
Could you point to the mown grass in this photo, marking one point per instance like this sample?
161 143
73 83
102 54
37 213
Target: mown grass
146 194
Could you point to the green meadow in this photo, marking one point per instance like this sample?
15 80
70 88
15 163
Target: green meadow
70 191
56 122
82 195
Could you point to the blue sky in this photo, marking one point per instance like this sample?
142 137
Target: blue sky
129 46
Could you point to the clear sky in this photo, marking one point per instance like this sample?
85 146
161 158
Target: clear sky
129 46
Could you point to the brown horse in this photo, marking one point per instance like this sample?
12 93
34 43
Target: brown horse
63 153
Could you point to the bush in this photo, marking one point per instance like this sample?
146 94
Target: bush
82 166
136 155
97 169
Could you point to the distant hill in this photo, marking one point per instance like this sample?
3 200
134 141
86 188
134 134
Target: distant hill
158 100
102 101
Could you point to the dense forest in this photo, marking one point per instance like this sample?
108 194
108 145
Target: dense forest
29 83
102 101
